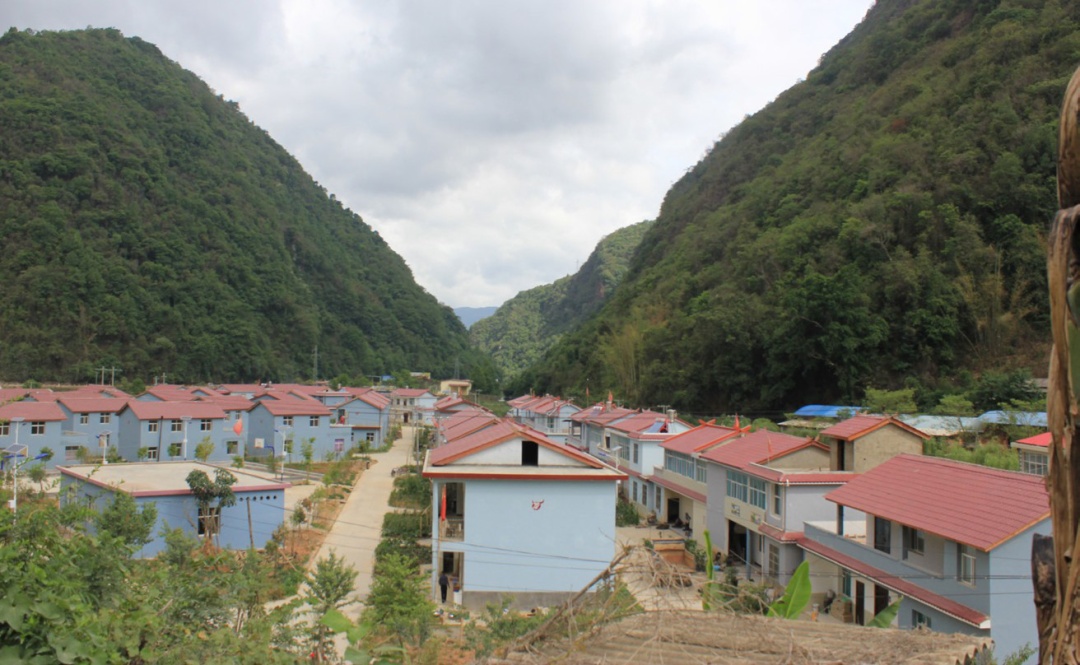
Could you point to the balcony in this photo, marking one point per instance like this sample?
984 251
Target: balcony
452 528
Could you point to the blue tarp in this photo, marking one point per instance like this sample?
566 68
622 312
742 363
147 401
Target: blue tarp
825 411
1031 418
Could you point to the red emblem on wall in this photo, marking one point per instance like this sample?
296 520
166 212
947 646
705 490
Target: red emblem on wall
538 504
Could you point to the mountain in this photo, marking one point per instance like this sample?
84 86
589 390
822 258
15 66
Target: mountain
149 225
470 315
879 224
526 326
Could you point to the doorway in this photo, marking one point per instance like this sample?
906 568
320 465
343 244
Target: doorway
881 599
860 603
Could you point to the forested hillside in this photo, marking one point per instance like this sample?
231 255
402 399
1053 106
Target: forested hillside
879 224
149 225
527 325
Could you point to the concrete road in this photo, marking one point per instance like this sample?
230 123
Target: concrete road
356 531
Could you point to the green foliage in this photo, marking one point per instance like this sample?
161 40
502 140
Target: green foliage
880 221
526 326
885 617
406 525
500 625
124 520
407 548
955 405
701 557
987 454
211 497
398 602
329 587
204 449
626 514
993 389
796 594
411 491
893 402
146 219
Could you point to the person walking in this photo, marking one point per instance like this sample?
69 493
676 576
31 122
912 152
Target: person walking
444 583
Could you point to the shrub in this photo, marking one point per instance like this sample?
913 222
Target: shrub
626 514
406 525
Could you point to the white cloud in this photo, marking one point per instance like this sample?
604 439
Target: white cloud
491 143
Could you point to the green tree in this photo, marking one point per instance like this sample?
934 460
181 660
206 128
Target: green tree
329 587
204 449
125 520
893 402
398 602
307 453
211 497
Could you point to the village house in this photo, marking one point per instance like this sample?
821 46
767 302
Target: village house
281 426
92 422
155 431
761 488
251 522
952 539
364 417
547 414
682 476
411 406
516 513
632 445
861 443
39 426
1034 453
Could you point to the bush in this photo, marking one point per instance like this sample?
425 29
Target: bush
626 514
406 525
411 491
409 549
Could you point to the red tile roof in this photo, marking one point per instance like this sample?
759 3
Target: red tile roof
174 410
465 423
14 394
409 392
170 393
503 430
32 411
699 438
372 398
92 404
518 401
898 584
638 423
229 402
789 477
757 447
859 426
1043 440
968 503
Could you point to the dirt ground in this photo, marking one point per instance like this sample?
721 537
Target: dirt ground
303 543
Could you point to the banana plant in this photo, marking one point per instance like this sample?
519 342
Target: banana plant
796 595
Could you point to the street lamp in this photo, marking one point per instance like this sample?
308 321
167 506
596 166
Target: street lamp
103 443
282 432
14 452
183 446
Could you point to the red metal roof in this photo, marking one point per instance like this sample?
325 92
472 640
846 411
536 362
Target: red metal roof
410 392
898 584
778 535
377 400
229 402
170 393
789 477
859 426
971 504
174 410
699 438
756 448
464 423
1042 440
92 404
501 431
32 411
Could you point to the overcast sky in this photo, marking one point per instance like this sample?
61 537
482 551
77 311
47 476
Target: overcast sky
492 143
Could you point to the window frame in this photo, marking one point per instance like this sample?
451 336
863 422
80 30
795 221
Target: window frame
152 426
84 418
965 560
206 425
37 427
920 619
176 425
313 421
777 500
914 540
287 421
104 418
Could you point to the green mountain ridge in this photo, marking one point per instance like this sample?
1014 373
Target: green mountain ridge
528 324
148 224
879 224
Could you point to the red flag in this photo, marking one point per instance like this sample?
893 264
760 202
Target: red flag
736 421
442 505
239 426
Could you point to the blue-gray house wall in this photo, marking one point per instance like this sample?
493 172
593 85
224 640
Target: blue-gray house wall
1012 611
180 511
511 546
273 430
52 437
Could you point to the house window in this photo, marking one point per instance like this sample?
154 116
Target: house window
845 584
152 426
701 472
152 454
1034 463
965 568
920 619
550 423
635 454
177 426
913 541
738 485
208 516
231 447
37 427
370 436
882 535
5 429
286 421
71 453
777 503
205 425
314 421
757 493
633 491
644 494
530 453
105 418
774 562
84 418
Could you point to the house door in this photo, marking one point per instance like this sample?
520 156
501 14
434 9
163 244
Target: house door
860 603
672 511
881 599
737 541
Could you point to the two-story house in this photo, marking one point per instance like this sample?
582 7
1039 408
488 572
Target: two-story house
547 414
92 422
682 476
760 488
365 417
515 513
155 431
38 426
281 426
411 406
953 539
